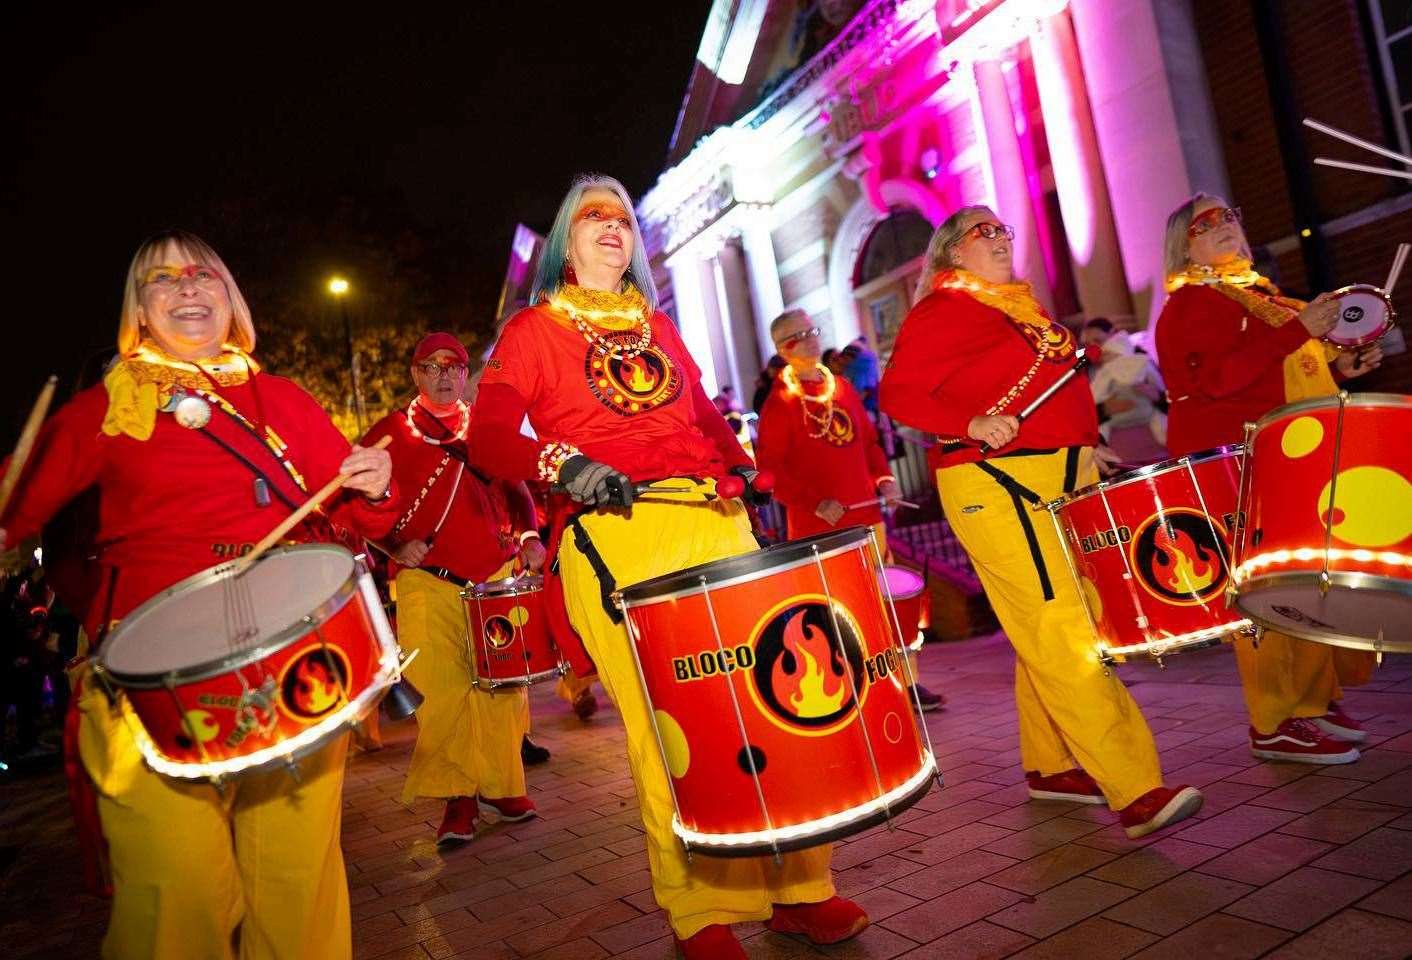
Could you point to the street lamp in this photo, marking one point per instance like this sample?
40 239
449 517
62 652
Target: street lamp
338 287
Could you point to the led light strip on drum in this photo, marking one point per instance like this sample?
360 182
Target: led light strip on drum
1306 554
706 841
1164 645
285 750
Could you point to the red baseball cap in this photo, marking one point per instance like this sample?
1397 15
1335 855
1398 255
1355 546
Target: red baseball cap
440 340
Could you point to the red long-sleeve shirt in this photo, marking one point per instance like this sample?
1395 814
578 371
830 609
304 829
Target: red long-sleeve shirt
955 357
178 502
844 464
1223 367
482 521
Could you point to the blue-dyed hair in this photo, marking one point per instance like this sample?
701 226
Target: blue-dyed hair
549 275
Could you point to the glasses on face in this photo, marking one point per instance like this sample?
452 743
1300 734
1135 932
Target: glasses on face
1208 220
169 277
992 231
430 368
799 335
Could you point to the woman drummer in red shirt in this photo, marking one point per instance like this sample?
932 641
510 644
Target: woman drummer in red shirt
196 869
973 351
614 398
1231 349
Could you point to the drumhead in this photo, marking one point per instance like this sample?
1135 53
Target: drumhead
1359 611
508 586
1280 414
1151 470
746 566
903 582
189 626
1364 315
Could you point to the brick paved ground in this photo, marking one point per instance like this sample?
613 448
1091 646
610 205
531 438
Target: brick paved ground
1284 861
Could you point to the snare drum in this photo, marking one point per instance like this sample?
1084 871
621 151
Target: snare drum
233 674
1364 314
905 587
1150 553
779 695
1340 576
509 634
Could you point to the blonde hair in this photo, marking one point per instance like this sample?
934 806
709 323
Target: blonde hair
152 253
938 258
1176 245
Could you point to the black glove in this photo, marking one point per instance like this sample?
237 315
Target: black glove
595 484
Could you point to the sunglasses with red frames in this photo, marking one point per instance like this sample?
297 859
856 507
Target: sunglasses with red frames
1208 220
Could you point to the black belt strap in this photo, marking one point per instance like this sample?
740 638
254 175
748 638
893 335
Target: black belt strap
1071 469
607 586
444 574
1021 495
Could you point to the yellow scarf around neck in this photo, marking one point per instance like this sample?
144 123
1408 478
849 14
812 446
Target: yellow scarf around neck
142 383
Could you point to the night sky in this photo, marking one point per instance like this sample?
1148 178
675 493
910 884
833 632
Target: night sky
451 123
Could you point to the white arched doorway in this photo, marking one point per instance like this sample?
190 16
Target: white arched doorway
874 267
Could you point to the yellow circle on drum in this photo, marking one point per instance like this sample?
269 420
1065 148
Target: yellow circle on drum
674 745
1372 506
1302 437
518 616
200 725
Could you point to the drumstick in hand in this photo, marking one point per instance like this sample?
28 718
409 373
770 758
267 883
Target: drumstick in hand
297 517
1052 389
26 443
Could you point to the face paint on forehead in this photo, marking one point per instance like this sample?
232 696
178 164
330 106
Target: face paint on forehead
605 209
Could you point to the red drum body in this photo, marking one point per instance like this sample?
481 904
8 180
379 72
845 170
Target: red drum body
1341 576
1364 314
509 635
779 695
905 586
232 674
1150 550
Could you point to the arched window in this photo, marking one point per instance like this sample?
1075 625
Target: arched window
896 240
885 274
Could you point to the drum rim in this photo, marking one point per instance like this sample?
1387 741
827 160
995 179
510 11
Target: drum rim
1388 322
504 587
921 584
1339 399
1352 579
1157 649
743 566
1150 470
317 617
524 680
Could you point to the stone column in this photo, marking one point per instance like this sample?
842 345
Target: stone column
691 316
765 294
1012 201
1078 170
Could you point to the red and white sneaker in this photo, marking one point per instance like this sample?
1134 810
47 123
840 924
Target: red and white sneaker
715 942
1336 723
1299 741
458 824
1074 786
1159 808
510 809
831 921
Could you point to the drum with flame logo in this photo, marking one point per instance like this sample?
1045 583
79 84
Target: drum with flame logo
232 673
779 695
1327 555
1150 551
508 634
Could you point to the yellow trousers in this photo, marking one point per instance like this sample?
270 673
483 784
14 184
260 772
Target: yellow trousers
1283 677
654 539
196 871
1073 712
571 685
468 740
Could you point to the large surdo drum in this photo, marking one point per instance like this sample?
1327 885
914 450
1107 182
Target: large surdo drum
231 674
1327 551
508 633
779 695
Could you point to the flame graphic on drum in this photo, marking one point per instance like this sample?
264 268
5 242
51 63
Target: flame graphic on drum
1184 565
499 632
638 376
815 687
316 688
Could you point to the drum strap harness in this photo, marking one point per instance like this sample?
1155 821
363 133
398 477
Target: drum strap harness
1021 495
607 586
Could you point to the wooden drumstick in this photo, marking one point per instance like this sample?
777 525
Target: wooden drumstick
26 442
297 517
1360 143
1399 259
